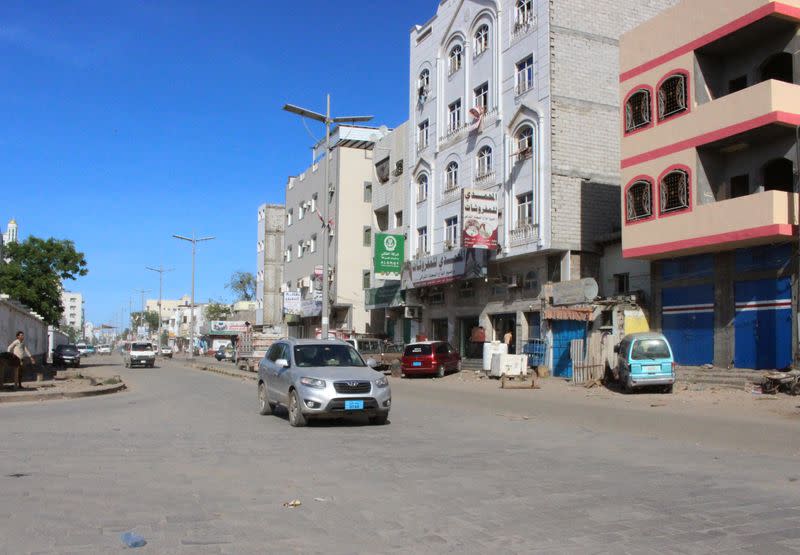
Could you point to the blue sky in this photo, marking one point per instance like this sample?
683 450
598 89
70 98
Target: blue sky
126 122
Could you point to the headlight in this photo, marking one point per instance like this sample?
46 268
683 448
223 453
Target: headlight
382 382
313 382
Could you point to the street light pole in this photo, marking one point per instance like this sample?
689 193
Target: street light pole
328 190
193 240
160 271
141 314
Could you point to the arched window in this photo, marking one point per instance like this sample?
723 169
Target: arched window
672 96
779 175
639 201
778 67
455 58
531 282
481 40
484 161
423 85
638 110
674 191
422 187
524 13
524 140
451 176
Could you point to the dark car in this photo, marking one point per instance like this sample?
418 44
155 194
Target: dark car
430 358
66 355
224 353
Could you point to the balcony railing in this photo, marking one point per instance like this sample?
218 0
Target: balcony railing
451 194
486 179
523 235
522 26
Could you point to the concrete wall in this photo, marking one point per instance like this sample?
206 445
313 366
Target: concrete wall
16 317
269 273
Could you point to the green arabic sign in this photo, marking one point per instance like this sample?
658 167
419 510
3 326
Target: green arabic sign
384 297
388 261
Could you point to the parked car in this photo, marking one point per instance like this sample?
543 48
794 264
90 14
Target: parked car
644 359
386 354
83 348
316 378
430 358
90 350
104 350
166 352
139 353
225 352
66 355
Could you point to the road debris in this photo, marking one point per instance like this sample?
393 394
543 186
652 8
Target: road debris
294 503
132 539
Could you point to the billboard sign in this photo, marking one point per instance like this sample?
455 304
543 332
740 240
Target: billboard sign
444 268
388 259
479 217
292 302
223 326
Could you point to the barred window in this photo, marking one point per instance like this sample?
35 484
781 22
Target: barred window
637 111
484 161
455 59
481 40
451 178
422 188
524 140
674 191
639 201
672 96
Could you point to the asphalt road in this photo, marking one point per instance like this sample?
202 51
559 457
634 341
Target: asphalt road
184 459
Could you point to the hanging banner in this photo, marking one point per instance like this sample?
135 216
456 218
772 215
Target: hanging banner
479 217
292 302
446 267
388 260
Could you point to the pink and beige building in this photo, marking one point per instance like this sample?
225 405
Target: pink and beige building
710 101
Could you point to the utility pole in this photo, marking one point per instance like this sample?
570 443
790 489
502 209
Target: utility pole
141 314
160 271
328 190
193 240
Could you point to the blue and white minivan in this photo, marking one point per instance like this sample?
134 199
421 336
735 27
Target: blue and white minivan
645 359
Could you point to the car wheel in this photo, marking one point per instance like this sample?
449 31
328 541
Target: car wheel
265 407
440 372
296 417
668 388
127 365
379 420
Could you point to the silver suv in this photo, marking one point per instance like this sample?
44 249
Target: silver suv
321 379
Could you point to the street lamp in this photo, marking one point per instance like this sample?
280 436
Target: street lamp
327 190
193 240
160 271
141 314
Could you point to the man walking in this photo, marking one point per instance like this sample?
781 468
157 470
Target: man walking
20 351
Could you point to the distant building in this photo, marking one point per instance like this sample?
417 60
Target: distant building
11 234
169 307
269 275
73 310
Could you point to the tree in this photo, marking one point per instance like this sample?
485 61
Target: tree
72 333
217 311
35 270
243 284
150 320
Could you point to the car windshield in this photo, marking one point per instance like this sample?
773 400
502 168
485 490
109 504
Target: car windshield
418 350
67 349
326 355
141 347
648 349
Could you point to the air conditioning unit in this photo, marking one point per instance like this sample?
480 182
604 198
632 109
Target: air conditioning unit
413 312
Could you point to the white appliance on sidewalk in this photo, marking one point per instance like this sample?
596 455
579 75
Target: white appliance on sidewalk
491 348
508 365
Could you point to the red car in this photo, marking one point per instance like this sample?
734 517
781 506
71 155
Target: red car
430 358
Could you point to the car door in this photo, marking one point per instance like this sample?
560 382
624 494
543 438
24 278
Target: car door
269 371
283 375
453 357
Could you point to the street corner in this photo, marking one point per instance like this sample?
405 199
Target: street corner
71 384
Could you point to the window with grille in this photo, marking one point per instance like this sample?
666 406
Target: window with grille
524 141
482 96
481 40
672 96
455 59
484 161
367 236
313 246
639 201
423 85
365 279
422 187
524 75
422 134
524 210
398 219
367 191
637 110
451 231
674 191
451 176
422 240
524 13
454 116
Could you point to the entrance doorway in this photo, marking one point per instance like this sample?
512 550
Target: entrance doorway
439 329
470 345
503 323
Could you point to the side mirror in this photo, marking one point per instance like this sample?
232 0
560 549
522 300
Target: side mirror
282 363
616 349
372 363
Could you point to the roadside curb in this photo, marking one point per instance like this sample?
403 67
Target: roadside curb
225 372
22 396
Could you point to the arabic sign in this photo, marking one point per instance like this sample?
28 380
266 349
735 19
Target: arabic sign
292 302
384 297
310 308
388 260
223 326
479 214
444 268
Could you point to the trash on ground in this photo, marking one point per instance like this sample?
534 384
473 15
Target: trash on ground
292 504
320 499
654 405
132 539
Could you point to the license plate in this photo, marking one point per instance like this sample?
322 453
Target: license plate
416 364
354 405
652 369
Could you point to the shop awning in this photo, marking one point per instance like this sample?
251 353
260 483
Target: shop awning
579 313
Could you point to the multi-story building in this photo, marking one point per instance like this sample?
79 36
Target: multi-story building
269 264
709 166
72 304
11 234
385 298
511 99
350 214
169 307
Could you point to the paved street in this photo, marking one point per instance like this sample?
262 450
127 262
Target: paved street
184 459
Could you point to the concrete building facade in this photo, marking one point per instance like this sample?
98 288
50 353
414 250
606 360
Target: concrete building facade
73 310
711 108
350 214
269 264
515 98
